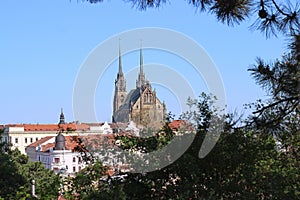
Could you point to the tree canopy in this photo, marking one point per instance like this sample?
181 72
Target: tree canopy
273 16
258 160
17 173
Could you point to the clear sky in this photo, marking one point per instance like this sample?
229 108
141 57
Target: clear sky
44 43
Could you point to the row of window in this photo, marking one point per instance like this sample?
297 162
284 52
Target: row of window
56 160
26 140
74 168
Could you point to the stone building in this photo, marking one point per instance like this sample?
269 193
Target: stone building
140 105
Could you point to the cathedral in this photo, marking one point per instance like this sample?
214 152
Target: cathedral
139 105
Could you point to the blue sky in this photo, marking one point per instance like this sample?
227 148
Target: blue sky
44 43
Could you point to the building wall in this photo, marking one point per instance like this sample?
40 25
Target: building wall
148 115
57 160
21 140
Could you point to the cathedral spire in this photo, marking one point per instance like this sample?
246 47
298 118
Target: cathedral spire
120 87
141 60
120 59
141 78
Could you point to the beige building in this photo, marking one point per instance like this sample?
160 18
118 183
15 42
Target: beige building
22 135
140 105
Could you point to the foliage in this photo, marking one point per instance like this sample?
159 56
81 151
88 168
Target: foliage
278 115
17 173
90 182
10 180
47 183
273 16
149 144
246 163
227 172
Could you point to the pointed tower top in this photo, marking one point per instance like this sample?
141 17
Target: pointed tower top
141 59
120 58
61 117
141 78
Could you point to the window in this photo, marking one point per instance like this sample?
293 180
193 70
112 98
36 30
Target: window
26 140
31 140
74 169
56 160
36 139
79 168
79 159
16 140
74 159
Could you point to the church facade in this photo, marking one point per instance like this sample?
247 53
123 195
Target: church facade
140 105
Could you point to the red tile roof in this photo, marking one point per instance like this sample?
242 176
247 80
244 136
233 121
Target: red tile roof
61 197
47 146
40 141
89 141
176 125
51 127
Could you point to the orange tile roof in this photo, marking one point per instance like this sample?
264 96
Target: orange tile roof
48 146
51 127
61 197
175 125
14 125
40 141
89 141
98 140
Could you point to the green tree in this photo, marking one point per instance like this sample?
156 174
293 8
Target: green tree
244 164
10 180
232 170
279 116
17 173
46 181
273 16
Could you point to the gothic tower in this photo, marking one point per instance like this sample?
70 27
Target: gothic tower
140 105
120 87
140 83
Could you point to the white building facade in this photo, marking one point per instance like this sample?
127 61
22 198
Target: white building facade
56 153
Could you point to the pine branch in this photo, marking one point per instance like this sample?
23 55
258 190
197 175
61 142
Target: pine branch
276 103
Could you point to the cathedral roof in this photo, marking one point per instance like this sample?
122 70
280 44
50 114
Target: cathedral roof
132 97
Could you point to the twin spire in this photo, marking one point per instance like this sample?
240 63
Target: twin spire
141 77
